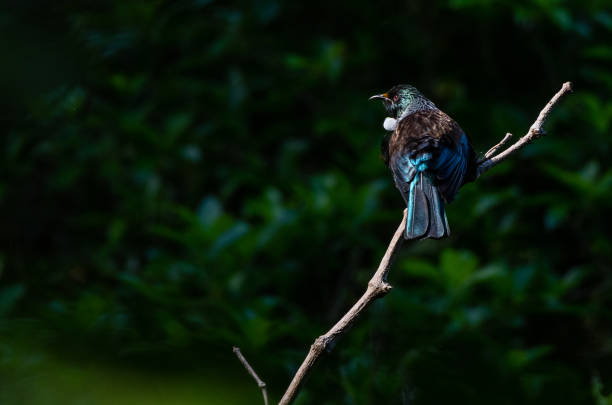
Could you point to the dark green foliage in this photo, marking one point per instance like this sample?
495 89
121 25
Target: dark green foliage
179 177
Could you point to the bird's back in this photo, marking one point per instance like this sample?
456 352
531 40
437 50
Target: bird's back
425 129
433 131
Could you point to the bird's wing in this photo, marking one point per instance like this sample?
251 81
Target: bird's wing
450 168
403 173
432 131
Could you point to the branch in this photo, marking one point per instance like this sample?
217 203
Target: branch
248 367
534 132
377 287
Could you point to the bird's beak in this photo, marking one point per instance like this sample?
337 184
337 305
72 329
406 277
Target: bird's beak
383 96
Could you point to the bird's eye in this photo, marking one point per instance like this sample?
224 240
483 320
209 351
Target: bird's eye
396 97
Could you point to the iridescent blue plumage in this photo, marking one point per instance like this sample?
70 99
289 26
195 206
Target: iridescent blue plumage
430 158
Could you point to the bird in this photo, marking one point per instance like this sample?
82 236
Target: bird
430 157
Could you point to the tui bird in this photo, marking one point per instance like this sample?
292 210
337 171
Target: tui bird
430 157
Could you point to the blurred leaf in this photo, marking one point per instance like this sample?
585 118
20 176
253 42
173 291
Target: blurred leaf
456 268
9 297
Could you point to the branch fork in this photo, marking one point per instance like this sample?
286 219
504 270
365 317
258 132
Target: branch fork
378 285
492 158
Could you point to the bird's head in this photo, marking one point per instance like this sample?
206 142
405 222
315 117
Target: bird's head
401 98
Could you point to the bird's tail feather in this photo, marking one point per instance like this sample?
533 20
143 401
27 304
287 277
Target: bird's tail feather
426 217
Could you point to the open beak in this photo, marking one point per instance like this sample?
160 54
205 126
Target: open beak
383 96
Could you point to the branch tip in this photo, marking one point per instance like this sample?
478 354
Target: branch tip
536 130
250 370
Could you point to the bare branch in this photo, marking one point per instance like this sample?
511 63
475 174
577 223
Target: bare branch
377 287
248 367
534 132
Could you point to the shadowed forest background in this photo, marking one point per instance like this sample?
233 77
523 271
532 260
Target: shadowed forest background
178 177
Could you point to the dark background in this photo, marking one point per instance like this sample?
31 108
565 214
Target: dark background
178 177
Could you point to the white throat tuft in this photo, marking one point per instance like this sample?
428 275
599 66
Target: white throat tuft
390 124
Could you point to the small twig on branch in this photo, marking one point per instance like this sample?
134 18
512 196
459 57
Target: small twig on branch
248 367
534 132
495 148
